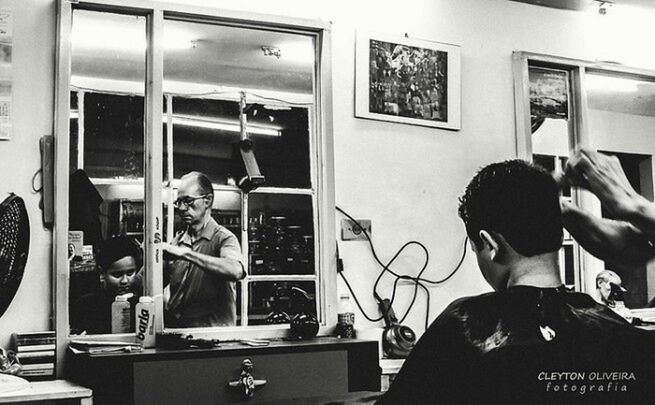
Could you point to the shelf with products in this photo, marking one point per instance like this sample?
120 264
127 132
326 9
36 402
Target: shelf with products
273 302
280 234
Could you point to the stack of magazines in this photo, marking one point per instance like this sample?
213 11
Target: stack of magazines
36 353
94 346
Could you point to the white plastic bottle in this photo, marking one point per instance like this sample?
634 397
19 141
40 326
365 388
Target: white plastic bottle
144 319
120 314
345 317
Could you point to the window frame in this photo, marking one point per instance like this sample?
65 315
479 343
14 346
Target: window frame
321 148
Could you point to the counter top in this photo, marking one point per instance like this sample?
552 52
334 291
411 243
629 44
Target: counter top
230 347
46 391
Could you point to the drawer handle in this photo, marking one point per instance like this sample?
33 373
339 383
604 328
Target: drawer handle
246 383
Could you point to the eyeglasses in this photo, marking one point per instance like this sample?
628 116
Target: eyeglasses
187 201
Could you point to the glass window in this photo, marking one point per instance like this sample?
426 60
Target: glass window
280 234
283 158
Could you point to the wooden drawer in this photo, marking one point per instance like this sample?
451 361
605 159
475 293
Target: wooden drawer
322 367
205 380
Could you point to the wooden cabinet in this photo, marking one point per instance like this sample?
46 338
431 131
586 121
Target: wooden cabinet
322 367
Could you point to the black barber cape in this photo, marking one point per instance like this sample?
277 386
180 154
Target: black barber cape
528 345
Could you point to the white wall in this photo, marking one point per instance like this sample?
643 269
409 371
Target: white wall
33 58
405 178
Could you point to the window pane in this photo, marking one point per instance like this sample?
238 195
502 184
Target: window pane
283 159
280 234
203 134
549 116
106 164
113 136
209 68
269 301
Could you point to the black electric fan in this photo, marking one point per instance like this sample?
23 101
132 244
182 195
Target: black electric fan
14 246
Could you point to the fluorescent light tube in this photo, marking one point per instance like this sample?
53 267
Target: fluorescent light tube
221 125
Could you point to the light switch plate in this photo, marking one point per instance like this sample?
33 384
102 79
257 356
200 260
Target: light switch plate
352 231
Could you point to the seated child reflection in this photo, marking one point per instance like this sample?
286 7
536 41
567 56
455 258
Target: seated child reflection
119 260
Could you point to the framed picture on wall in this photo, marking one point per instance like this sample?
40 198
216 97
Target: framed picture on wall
407 80
549 93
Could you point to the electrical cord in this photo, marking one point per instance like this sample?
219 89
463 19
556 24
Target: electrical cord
361 309
418 280
386 267
34 177
371 319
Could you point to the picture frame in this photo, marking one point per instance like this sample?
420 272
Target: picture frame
407 80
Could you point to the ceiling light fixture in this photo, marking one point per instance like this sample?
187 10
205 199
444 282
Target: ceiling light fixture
220 125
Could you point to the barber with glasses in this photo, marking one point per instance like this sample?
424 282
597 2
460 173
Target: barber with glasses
206 262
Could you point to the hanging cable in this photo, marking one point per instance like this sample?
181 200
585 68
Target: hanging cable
418 279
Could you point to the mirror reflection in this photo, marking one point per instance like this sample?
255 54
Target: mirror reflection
231 258
621 117
549 116
226 85
106 176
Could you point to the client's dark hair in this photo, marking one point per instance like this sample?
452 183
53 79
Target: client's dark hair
116 248
518 200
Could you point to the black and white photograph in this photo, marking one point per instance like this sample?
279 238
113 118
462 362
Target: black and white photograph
319 203
406 80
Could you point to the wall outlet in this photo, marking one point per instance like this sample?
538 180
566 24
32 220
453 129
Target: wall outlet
352 231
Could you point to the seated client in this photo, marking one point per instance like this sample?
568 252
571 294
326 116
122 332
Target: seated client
530 341
118 260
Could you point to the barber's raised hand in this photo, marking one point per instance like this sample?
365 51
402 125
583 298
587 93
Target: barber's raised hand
175 251
603 175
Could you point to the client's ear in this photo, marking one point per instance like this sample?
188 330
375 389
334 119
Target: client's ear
489 242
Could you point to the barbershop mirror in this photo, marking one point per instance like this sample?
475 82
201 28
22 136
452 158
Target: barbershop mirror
603 107
215 78
106 166
231 91
621 118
